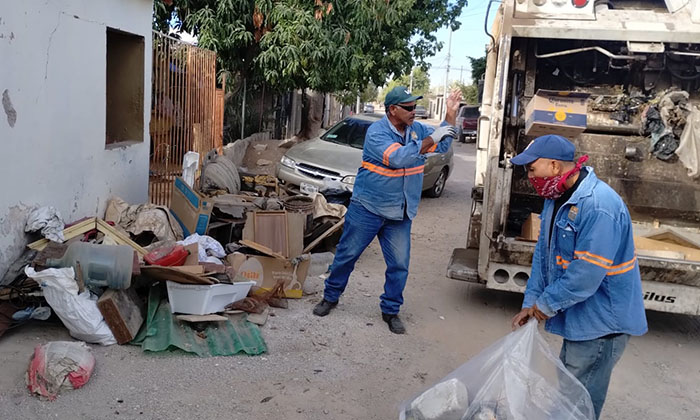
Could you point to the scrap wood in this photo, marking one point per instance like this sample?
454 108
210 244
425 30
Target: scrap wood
642 244
258 303
259 319
70 232
674 237
87 225
118 236
171 273
262 248
191 269
201 318
326 234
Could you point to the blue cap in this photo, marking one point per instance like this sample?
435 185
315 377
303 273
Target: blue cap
550 146
399 95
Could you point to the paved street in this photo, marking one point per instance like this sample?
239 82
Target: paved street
348 365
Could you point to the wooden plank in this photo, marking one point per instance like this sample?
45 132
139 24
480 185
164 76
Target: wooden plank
123 312
673 236
201 318
259 319
191 269
271 231
326 234
171 273
690 254
263 249
68 233
119 237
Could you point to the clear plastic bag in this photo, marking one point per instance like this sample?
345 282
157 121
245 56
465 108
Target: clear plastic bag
516 378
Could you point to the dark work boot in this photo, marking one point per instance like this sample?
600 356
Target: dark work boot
324 307
395 324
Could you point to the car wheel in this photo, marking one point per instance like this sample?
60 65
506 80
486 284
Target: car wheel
439 186
462 138
471 139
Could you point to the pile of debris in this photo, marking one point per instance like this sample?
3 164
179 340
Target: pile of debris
198 276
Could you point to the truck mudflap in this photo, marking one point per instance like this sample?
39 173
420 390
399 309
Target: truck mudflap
463 265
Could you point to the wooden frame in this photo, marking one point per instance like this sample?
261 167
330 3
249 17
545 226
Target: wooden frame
88 225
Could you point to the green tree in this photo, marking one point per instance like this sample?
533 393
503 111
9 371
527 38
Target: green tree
478 68
321 45
470 93
421 84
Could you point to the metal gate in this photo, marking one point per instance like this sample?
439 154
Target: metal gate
186 111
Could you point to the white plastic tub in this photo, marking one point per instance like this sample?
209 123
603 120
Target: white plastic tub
196 299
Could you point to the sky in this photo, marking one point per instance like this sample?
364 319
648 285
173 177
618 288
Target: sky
468 41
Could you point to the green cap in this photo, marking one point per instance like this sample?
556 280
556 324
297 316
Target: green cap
399 95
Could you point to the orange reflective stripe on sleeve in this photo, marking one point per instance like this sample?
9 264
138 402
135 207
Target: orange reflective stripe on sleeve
624 267
432 148
597 257
392 172
562 262
594 262
415 171
389 150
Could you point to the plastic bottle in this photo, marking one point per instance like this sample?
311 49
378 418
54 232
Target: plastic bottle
101 265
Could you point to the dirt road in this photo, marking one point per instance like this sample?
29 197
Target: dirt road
348 365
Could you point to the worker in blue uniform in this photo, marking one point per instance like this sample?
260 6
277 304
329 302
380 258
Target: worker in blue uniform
585 280
385 198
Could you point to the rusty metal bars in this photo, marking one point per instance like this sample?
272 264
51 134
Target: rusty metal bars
186 111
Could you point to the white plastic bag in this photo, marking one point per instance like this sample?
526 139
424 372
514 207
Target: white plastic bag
210 250
78 312
516 378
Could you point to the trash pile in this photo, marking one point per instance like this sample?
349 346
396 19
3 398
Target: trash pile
664 120
198 276
516 378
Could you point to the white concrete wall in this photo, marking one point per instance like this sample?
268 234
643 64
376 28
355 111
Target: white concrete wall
52 76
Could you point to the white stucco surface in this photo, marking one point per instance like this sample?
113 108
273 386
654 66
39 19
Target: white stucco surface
53 112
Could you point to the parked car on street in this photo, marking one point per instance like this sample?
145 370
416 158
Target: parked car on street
337 154
467 122
421 112
368 109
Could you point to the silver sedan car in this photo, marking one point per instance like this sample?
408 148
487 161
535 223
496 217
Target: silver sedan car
336 156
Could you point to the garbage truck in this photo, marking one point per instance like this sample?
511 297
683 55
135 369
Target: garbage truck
621 79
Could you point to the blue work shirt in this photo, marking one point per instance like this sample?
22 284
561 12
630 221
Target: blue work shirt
390 181
587 277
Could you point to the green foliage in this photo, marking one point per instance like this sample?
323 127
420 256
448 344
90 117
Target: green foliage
421 85
323 45
478 68
470 93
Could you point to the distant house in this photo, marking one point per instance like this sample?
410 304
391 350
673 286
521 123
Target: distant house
76 92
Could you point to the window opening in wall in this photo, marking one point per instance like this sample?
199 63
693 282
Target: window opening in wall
125 87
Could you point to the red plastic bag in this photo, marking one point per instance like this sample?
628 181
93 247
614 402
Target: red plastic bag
59 365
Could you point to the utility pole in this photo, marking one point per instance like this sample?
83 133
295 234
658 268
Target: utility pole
245 88
410 89
461 69
443 111
357 106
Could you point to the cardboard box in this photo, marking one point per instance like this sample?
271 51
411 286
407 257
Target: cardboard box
556 112
267 271
190 209
531 228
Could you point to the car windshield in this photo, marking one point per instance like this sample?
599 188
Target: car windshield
469 112
420 108
350 131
